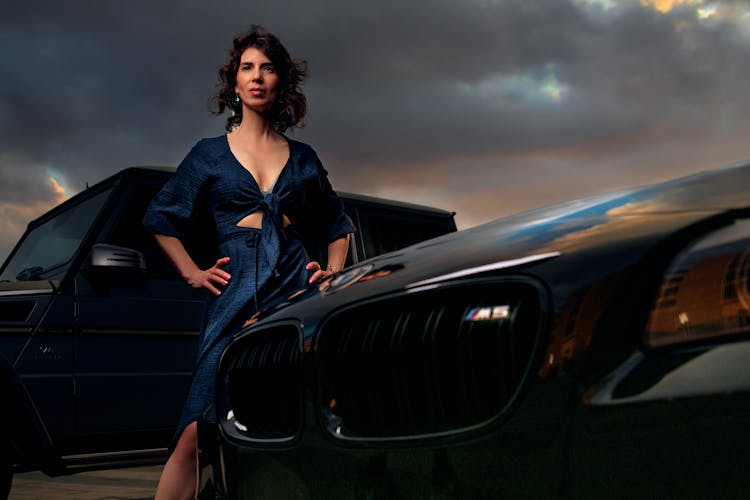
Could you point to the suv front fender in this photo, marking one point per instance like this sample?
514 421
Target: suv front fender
26 434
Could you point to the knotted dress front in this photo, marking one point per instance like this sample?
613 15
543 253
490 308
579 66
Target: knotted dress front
265 264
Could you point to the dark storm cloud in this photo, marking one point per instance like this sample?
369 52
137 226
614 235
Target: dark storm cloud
648 96
418 85
627 74
479 106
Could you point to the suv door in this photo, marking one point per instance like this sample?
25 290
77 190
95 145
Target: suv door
136 333
42 260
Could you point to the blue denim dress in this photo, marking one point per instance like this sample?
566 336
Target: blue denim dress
265 264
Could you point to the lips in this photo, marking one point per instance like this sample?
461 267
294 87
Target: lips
257 92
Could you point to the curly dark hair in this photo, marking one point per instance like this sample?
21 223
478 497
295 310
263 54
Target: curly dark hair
290 108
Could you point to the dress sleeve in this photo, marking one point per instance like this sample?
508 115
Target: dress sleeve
336 224
172 208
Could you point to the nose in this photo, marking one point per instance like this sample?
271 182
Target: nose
257 76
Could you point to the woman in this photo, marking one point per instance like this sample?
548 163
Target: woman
263 189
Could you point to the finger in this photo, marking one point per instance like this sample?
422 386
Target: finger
317 275
222 262
312 266
212 288
216 278
221 274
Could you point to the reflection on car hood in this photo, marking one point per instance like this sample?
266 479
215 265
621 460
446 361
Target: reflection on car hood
606 232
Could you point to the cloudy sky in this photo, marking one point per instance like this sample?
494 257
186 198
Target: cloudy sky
483 107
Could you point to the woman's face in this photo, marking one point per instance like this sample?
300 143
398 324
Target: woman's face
257 80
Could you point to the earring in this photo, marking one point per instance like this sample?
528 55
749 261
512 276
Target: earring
236 97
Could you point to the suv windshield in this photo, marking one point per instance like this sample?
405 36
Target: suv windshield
45 251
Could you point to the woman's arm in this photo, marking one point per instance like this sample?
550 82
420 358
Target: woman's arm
194 276
337 251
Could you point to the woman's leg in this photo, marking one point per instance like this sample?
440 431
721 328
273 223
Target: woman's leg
180 474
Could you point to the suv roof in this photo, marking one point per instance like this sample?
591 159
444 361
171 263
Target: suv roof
150 170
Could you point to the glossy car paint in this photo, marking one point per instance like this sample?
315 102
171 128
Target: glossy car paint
602 411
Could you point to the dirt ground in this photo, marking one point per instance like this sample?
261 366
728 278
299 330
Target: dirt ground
137 483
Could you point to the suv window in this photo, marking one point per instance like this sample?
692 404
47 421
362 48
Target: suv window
388 231
46 251
129 232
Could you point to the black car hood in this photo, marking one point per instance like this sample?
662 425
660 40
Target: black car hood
592 237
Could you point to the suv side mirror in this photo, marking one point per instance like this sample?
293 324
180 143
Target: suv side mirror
105 257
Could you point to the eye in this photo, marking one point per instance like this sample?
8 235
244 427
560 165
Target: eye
268 68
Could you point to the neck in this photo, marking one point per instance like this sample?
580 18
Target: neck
254 126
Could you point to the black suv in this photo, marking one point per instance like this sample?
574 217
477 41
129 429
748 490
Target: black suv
98 333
